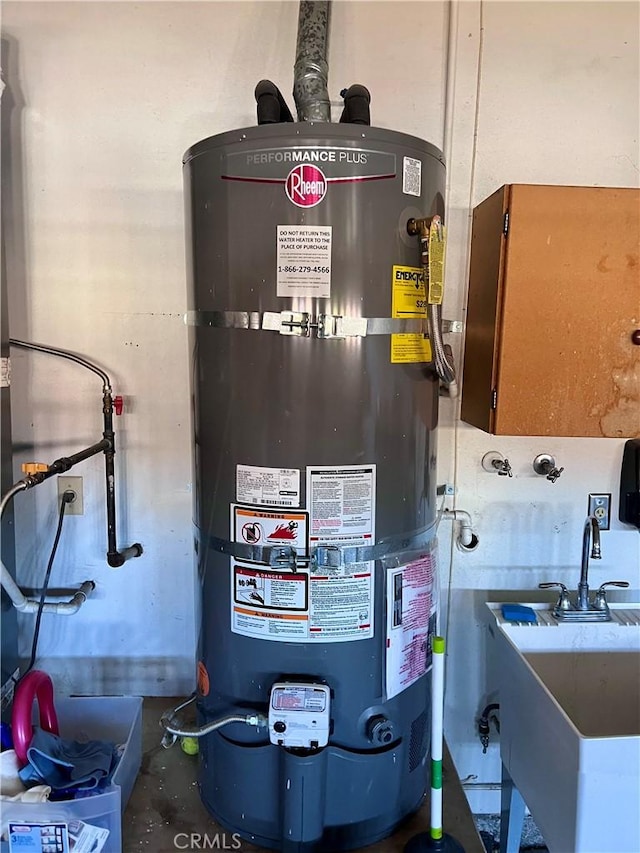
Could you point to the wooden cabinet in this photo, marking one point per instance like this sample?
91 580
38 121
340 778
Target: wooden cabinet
554 302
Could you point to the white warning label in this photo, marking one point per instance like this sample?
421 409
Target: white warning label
264 527
304 261
411 176
411 615
267 486
342 504
341 606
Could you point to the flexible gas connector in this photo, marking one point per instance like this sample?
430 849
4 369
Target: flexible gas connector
442 357
174 728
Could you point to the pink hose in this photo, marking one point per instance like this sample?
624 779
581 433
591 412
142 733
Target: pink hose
35 685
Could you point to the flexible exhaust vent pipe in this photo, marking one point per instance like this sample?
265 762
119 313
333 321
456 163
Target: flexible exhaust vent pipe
311 70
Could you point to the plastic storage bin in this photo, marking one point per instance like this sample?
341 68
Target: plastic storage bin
112 718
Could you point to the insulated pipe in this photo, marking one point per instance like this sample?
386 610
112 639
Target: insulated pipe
311 71
271 106
357 100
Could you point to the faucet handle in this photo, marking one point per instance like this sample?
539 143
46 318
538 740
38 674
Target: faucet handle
505 469
554 473
623 584
563 602
545 464
600 598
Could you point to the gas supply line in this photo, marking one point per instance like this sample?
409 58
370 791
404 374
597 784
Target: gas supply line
175 728
37 473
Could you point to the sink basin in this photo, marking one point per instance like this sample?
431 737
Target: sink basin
549 635
570 726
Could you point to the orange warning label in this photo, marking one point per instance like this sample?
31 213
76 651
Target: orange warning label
264 527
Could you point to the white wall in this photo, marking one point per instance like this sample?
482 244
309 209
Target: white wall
113 94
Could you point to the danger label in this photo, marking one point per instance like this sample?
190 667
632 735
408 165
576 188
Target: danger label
262 527
271 590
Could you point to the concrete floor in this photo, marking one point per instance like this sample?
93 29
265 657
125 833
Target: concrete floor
165 803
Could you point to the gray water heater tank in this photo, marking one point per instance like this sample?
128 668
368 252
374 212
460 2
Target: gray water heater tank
315 412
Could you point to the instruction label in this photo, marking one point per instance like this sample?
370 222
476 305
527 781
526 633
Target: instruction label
410 349
304 261
267 486
342 504
342 606
263 527
411 615
409 300
411 176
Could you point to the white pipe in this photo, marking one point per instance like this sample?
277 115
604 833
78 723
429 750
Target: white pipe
466 540
30 605
450 82
437 735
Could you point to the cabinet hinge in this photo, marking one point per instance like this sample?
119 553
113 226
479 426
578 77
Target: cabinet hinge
494 399
505 224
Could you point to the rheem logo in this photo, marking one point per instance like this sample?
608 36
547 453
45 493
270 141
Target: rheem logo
306 185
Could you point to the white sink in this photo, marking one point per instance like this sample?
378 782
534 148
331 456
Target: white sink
570 726
549 635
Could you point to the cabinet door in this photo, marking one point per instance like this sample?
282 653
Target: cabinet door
483 309
567 302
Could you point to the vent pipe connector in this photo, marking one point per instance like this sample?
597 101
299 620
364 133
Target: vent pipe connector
311 70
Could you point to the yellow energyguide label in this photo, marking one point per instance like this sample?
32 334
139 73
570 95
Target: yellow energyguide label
408 301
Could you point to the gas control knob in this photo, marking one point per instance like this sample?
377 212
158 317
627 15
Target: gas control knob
279 727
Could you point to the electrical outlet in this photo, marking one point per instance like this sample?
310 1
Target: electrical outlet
600 506
71 484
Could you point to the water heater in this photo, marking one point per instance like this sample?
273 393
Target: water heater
315 412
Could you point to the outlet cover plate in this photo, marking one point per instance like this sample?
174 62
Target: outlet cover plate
600 506
74 484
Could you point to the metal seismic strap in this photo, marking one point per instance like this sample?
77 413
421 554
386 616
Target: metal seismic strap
303 324
320 556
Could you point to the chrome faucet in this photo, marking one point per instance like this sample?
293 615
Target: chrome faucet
584 610
591 531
